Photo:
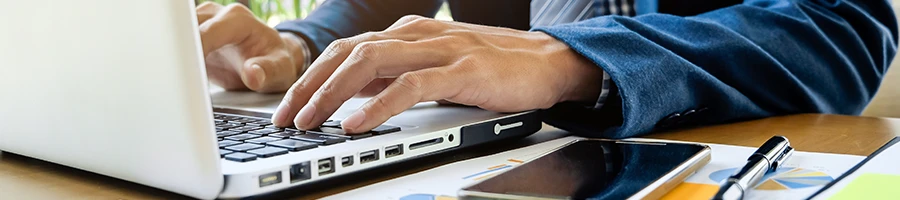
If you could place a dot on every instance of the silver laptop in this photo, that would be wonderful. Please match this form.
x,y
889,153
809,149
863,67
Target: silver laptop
x,y
118,88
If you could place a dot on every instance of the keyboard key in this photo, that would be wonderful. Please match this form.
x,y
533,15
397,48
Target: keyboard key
x,y
385,129
273,126
242,137
293,131
293,145
231,118
332,123
240,157
284,135
225,143
254,124
241,120
224,127
244,147
262,140
340,133
264,131
246,128
255,121
275,129
318,138
226,133
263,123
222,152
268,152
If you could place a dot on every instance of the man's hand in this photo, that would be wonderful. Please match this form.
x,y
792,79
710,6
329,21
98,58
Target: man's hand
x,y
243,53
419,59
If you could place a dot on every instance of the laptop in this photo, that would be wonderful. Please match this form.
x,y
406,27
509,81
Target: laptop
x,y
119,88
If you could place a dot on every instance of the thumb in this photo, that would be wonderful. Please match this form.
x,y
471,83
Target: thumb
x,y
269,73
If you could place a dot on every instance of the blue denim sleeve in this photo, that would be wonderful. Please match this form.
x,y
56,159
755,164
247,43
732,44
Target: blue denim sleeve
x,y
757,59
345,18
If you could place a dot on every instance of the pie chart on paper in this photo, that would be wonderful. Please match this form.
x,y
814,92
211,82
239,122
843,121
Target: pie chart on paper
x,y
787,178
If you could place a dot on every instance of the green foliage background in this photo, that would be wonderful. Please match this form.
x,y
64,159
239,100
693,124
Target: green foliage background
x,y
269,9
273,12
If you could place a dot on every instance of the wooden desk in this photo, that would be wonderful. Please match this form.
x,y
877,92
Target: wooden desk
x,y
25,178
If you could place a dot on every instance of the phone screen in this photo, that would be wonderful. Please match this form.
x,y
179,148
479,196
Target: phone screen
x,y
591,169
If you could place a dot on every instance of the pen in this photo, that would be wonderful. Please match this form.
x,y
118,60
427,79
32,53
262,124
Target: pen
x,y
767,158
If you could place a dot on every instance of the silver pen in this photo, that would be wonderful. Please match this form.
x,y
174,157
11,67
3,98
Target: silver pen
x,y
767,158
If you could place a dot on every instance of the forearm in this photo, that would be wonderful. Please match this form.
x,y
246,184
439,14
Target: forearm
x,y
754,60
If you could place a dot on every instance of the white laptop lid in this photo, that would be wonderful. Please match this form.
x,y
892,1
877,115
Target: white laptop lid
x,y
109,86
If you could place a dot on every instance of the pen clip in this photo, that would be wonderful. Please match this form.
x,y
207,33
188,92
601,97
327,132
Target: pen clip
x,y
782,157
774,151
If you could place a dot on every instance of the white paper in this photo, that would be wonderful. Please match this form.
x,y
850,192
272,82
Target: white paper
x,y
886,162
442,183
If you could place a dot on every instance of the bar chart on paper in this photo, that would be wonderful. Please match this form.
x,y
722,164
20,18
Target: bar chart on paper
x,y
803,174
782,179
478,176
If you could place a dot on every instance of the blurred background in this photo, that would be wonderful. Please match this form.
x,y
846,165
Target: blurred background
x,y
885,104
275,11
887,101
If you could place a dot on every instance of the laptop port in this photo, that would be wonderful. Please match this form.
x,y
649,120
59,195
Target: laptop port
x,y
368,156
300,172
426,143
270,179
326,166
392,151
347,161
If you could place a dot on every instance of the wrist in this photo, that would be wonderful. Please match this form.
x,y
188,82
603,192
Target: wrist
x,y
299,51
582,79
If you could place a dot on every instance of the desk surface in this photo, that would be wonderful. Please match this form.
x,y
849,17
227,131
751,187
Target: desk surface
x,y
25,178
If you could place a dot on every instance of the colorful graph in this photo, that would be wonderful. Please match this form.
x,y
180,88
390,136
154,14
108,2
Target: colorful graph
x,y
486,173
782,179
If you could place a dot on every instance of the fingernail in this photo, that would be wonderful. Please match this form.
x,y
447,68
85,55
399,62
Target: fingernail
x,y
279,115
353,122
306,115
259,73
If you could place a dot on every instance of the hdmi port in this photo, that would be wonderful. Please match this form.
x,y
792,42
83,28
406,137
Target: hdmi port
x,y
426,143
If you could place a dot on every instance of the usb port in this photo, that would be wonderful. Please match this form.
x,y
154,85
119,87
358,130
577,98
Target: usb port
x,y
392,151
347,161
326,166
368,156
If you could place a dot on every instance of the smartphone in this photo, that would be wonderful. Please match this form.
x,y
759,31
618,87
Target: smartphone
x,y
596,169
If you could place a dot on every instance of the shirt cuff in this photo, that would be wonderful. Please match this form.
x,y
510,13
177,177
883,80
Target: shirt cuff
x,y
605,87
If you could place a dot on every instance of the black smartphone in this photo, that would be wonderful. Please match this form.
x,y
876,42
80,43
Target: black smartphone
x,y
597,169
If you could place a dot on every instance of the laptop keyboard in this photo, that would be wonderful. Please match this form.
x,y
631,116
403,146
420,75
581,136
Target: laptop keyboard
x,y
245,139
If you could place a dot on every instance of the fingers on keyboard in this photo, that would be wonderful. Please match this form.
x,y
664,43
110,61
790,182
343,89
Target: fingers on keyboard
x,y
244,139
